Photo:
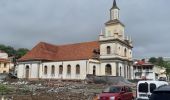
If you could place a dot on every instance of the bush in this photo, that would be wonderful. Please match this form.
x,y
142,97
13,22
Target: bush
x,y
4,89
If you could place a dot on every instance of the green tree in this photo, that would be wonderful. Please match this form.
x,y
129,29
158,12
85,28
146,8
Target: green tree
x,y
167,66
21,52
8,49
153,60
160,62
13,52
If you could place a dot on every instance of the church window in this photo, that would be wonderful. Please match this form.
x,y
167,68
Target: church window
x,y
77,69
125,52
108,69
94,70
27,67
68,69
108,50
52,69
60,69
5,65
45,69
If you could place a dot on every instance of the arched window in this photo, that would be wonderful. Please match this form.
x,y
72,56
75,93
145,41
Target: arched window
x,y
27,71
69,69
125,52
52,69
77,69
27,67
94,70
60,69
108,69
45,70
108,50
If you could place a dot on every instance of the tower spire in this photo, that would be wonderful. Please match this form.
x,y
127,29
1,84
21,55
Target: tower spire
x,y
114,11
115,5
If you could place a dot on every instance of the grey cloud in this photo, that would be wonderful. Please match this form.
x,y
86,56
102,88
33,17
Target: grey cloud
x,y
24,23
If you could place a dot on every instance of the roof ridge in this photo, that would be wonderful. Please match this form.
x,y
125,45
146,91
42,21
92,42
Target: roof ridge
x,y
47,43
78,43
67,44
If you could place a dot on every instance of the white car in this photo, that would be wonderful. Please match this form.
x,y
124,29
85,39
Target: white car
x,y
146,88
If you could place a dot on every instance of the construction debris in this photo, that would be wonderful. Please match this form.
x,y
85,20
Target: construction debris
x,y
59,90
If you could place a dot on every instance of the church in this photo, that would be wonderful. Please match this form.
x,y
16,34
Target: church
x,y
110,55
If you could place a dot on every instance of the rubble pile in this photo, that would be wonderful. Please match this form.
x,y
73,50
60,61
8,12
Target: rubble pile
x,y
53,90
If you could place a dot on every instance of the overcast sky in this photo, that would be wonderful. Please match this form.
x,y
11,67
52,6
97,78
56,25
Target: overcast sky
x,y
24,23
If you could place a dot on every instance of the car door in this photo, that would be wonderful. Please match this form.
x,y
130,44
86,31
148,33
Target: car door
x,y
123,94
129,93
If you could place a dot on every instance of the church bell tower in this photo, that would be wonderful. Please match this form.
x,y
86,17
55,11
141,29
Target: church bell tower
x,y
115,47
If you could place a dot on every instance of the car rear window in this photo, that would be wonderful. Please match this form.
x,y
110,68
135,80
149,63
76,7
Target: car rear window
x,y
152,87
160,96
112,89
143,87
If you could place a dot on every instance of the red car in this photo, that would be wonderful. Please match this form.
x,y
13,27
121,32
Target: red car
x,y
116,93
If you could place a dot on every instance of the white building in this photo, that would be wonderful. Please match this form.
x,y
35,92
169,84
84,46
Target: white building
x,y
5,64
146,70
110,55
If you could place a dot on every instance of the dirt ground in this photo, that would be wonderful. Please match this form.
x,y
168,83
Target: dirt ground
x,y
52,90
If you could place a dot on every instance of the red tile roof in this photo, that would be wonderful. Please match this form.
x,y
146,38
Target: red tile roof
x,y
142,64
45,51
2,51
4,60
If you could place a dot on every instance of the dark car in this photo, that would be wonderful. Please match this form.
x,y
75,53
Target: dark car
x,y
161,93
116,93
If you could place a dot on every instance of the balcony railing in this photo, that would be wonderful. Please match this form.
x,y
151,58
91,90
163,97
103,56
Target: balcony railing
x,y
137,70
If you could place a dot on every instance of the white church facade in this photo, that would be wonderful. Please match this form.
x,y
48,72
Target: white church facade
x,y
111,55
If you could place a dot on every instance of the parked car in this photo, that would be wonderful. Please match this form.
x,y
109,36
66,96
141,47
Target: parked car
x,y
116,93
146,88
161,93
162,79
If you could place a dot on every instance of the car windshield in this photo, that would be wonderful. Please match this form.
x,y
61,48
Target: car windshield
x,y
160,96
112,89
